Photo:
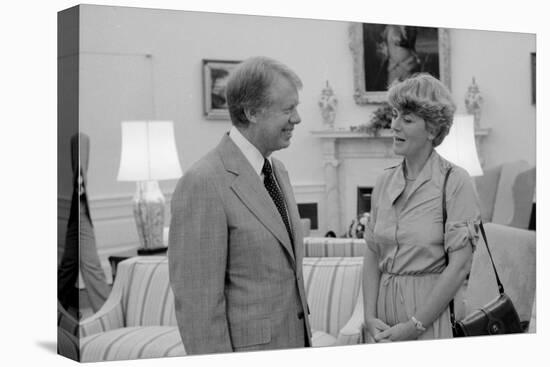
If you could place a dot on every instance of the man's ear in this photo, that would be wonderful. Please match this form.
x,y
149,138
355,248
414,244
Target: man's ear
x,y
251,115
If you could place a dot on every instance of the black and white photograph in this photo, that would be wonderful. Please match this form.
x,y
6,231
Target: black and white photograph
x,y
191,238
238,186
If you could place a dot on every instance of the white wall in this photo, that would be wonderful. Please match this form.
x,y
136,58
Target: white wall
x,y
501,64
116,83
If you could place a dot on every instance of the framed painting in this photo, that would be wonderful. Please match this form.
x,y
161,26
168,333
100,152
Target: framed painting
x,y
214,77
383,53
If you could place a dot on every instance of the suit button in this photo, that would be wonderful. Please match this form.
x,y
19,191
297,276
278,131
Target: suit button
x,y
300,315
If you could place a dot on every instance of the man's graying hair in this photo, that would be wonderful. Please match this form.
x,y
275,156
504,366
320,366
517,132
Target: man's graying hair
x,y
248,86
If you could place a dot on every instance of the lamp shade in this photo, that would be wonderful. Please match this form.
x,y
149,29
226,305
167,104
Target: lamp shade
x,y
459,147
148,151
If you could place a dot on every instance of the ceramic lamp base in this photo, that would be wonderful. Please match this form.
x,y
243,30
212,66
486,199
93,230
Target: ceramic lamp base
x,y
149,216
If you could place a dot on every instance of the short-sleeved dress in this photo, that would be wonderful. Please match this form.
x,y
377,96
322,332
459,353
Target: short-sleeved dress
x,y
407,236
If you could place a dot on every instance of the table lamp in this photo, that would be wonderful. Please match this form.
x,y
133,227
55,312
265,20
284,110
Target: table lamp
x,y
148,154
459,147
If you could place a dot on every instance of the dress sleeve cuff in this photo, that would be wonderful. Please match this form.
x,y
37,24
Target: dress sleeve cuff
x,y
461,234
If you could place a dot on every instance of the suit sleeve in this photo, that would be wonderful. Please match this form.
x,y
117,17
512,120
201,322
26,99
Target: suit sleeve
x,y
197,264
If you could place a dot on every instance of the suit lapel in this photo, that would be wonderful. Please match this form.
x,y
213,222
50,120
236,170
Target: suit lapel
x,y
251,191
284,182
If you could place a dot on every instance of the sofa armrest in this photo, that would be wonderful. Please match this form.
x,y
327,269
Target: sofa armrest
x,y
351,332
111,315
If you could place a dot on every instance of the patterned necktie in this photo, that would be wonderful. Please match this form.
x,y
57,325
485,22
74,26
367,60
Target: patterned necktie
x,y
276,196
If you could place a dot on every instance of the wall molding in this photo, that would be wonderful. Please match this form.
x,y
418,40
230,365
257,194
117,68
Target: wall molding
x,y
308,188
117,207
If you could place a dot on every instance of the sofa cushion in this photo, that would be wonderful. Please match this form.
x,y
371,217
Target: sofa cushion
x,y
332,287
132,343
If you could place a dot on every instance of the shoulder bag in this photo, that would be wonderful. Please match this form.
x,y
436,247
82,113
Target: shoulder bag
x,y
496,317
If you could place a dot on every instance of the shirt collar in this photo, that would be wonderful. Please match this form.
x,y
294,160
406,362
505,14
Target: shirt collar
x,y
252,154
397,181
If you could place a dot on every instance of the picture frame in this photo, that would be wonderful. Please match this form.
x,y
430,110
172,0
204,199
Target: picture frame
x,y
430,45
214,77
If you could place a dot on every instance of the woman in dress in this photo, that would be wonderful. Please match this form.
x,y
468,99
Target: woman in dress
x,y
412,267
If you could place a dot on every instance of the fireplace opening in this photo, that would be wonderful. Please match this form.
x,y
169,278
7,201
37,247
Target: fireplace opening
x,y
309,210
364,195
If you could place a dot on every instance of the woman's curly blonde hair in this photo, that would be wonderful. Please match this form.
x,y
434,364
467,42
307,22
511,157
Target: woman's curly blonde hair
x,y
428,98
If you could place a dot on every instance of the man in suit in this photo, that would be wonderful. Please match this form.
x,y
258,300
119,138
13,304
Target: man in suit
x,y
235,244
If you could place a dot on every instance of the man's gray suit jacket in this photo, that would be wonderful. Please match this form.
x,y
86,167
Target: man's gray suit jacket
x,y
236,278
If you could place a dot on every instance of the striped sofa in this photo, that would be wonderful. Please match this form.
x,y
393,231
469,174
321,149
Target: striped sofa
x,y
138,319
334,247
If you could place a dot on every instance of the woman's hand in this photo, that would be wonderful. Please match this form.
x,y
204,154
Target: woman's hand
x,y
401,331
375,326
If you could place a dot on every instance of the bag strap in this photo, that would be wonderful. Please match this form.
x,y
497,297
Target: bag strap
x,y
500,286
444,205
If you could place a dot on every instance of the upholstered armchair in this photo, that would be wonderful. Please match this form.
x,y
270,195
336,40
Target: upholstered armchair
x,y
138,319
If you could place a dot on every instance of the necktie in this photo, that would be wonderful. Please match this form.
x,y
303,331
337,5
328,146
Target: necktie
x,y
276,196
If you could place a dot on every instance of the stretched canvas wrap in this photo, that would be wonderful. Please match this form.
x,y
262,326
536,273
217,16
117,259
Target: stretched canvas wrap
x,y
119,64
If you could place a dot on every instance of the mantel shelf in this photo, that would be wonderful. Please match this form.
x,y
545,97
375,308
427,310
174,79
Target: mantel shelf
x,y
384,134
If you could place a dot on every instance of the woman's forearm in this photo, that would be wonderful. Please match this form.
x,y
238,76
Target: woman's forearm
x,y
371,281
446,287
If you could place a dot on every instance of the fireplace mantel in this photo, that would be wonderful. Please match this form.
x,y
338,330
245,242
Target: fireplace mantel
x,y
352,159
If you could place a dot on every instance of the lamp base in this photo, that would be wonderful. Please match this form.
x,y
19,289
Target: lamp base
x,y
149,214
152,251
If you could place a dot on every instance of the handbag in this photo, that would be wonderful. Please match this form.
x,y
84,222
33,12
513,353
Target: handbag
x,y
496,317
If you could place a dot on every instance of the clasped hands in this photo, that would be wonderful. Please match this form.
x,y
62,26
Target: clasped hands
x,y
383,333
